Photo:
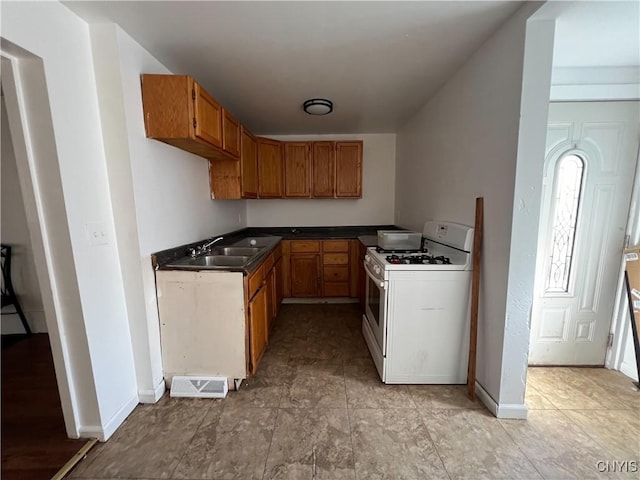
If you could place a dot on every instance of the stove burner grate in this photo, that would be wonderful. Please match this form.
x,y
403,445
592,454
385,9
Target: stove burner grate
x,y
418,260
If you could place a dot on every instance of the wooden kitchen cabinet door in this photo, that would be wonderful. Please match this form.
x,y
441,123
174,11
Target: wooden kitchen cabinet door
x,y
230,134
324,170
279,284
305,275
349,169
297,169
249,165
258,325
208,116
269,168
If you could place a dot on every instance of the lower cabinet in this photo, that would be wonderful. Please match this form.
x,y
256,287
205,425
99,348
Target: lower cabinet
x,y
321,268
216,323
203,328
258,326
305,275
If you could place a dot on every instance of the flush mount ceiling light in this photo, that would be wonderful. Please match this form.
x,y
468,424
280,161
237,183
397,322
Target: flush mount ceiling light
x,y
318,106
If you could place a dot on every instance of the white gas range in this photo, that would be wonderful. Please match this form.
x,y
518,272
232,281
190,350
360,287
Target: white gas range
x,y
416,321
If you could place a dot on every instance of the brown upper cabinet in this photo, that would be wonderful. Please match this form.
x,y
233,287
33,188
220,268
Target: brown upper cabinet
x,y
297,169
249,165
349,169
230,134
324,170
178,111
270,171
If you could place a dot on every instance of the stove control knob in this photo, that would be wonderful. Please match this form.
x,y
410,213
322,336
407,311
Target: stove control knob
x,y
367,258
376,269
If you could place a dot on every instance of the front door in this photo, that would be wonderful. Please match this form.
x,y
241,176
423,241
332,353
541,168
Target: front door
x,y
590,160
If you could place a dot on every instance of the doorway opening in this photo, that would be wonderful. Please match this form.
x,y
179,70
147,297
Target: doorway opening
x,y
41,402
587,188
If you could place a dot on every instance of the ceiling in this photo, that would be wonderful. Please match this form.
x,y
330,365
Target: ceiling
x,y
597,34
379,62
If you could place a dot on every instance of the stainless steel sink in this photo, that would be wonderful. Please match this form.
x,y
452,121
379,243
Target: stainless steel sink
x,y
236,251
220,261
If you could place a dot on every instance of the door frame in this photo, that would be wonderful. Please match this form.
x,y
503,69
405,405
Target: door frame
x,y
33,150
614,351
621,326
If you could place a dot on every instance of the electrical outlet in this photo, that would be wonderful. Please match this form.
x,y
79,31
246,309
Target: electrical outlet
x,y
98,233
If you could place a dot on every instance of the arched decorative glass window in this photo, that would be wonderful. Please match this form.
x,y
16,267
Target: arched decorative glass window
x,y
566,199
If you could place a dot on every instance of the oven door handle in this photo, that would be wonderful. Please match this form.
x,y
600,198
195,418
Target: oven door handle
x,y
374,277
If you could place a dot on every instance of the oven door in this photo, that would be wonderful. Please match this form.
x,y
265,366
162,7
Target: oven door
x,y
376,307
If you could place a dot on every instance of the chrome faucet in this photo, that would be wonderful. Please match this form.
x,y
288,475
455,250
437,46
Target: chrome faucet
x,y
207,245
203,248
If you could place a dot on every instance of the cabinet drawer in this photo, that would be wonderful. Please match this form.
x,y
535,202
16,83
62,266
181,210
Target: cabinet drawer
x,y
335,259
336,289
335,246
301,246
335,274
255,280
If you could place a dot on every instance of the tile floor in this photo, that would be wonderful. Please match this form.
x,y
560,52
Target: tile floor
x,y
317,410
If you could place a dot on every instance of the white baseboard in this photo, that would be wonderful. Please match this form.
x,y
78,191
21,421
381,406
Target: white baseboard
x,y
517,411
630,370
485,398
91,431
505,410
152,396
103,433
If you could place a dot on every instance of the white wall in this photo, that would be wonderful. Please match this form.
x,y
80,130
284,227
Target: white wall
x,y
461,145
15,232
173,205
160,194
374,208
61,39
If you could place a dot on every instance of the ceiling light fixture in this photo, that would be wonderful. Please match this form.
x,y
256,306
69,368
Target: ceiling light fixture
x,y
318,106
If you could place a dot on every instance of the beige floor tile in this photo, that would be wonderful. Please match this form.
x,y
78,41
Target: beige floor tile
x,y
536,401
315,383
474,445
618,432
616,384
393,444
569,391
367,392
439,397
317,349
265,388
354,347
311,440
152,440
230,446
360,367
556,446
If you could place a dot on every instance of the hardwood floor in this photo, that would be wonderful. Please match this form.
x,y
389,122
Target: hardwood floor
x,y
34,441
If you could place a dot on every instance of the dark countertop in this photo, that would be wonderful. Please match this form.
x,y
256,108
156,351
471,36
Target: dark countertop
x,y
369,240
174,258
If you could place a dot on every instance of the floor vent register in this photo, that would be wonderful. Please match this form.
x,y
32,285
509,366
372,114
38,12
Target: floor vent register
x,y
199,387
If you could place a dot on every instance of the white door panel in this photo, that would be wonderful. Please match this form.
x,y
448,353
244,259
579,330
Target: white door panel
x,y
570,326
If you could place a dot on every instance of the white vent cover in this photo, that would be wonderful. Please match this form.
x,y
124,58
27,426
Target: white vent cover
x,y
199,387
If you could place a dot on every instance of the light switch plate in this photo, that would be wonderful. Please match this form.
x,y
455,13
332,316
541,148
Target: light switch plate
x,y
98,233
